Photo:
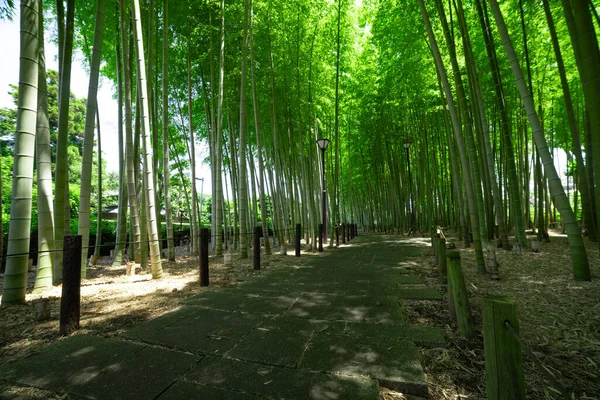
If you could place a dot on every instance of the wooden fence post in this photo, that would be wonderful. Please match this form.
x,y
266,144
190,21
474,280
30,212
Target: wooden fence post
x,y
256,248
204,257
70,300
442,261
434,244
503,359
457,291
321,238
298,235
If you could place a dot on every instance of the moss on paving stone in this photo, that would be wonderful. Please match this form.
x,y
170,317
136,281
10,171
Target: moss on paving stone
x,y
296,325
281,383
377,333
224,299
418,294
69,363
159,323
189,390
409,280
143,375
268,304
394,363
369,309
205,331
271,346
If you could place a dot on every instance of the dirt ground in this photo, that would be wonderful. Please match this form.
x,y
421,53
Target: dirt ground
x,y
559,322
559,317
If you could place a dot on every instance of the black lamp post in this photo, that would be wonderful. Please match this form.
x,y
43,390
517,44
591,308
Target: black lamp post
x,y
412,206
323,146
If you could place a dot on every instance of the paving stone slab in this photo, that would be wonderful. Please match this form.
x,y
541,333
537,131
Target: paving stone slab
x,y
302,326
394,364
269,304
69,363
426,336
369,309
224,299
280,383
143,375
205,331
159,322
418,294
409,280
271,346
312,305
193,391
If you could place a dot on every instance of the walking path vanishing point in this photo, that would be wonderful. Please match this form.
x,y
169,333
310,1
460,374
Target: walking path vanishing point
x,y
331,329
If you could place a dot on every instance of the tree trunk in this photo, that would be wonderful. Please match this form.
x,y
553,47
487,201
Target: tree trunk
x,y
130,150
217,203
509,153
122,214
581,270
586,199
485,134
45,259
165,138
99,208
472,205
15,274
88,139
149,184
60,178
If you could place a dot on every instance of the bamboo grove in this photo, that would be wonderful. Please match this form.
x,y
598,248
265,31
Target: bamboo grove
x,y
475,96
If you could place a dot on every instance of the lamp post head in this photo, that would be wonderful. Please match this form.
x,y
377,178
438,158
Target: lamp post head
x,y
323,143
406,144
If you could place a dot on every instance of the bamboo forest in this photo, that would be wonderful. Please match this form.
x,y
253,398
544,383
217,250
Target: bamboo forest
x,y
313,199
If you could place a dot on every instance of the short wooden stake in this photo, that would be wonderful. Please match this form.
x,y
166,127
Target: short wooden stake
x,y
503,359
492,262
256,248
535,246
42,310
204,235
457,291
130,268
321,238
298,237
441,256
70,301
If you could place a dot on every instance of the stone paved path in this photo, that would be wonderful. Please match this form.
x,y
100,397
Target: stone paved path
x,y
331,329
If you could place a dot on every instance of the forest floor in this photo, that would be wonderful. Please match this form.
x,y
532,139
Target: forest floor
x,y
559,321
559,318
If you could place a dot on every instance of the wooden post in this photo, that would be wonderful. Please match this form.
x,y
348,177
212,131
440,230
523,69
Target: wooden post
x,y
343,233
441,256
434,244
356,230
298,235
457,291
321,238
337,236
204,281
503,359
256,248
70,301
